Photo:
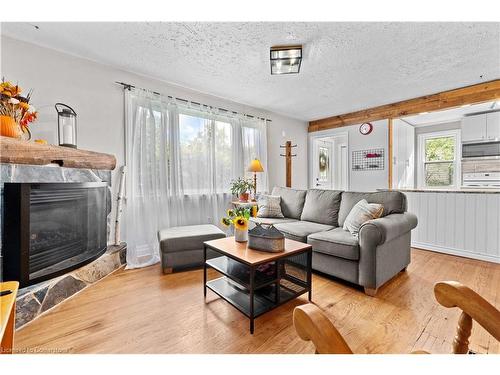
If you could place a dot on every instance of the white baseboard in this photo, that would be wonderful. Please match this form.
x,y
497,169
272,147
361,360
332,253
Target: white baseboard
x,y
452,251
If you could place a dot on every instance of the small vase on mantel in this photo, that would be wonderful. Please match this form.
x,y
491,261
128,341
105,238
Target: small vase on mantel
x,y
9,127
241,235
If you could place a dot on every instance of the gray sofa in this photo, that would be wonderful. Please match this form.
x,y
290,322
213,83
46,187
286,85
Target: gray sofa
x,y
381,250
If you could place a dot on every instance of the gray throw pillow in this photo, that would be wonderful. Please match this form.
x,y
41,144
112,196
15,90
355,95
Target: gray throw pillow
x,y
360,214
269,206
322,206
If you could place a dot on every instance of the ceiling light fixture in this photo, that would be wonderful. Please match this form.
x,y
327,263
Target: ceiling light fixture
x,y
286,59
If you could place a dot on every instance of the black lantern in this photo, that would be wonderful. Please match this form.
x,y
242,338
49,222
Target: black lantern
x,y
66,125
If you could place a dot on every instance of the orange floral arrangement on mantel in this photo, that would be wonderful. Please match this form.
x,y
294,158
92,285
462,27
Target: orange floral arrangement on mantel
x,y
16,113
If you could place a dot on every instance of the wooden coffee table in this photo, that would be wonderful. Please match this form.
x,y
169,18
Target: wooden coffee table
x,y
255,282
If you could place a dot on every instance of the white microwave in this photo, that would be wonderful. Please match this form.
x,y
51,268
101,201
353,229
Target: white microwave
x,y
485,150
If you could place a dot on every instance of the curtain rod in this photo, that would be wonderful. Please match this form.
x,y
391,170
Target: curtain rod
x,y
127,86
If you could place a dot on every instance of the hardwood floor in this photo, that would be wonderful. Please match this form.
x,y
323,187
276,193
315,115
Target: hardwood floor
x,y
144,311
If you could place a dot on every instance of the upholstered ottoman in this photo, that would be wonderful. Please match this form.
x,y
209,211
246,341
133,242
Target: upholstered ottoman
x,y
182,247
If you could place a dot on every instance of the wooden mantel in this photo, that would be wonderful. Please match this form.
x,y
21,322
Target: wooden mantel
x,y
480,93
14,151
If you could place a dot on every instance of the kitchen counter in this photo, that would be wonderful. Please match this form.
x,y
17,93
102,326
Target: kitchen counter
x,y
473,191
464,222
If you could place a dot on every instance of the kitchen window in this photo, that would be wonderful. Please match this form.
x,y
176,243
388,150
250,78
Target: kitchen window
x,y
439,160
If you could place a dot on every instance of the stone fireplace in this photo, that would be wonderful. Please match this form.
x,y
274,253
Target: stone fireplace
x,y
55,232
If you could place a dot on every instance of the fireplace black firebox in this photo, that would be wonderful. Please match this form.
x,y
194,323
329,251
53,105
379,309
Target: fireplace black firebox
x,y
52,228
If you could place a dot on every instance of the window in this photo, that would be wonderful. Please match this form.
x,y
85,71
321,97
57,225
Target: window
x,y
206,154
194,136
253,146
223,156
439,165
250,141
187,151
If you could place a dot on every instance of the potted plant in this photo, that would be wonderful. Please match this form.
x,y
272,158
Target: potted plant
x,y
239,219
240,188
15,111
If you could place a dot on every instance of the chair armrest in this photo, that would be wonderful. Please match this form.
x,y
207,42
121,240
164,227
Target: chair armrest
x,y
453,294
311,324
387,228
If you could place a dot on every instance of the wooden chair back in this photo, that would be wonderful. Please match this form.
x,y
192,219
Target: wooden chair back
x,y
474,307
312,324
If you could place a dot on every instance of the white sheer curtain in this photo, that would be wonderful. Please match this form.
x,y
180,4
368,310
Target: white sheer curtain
x,y
254,146
146,139
180,161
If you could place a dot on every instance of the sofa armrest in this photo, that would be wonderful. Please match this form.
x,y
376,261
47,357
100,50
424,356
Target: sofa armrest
x,y
385,229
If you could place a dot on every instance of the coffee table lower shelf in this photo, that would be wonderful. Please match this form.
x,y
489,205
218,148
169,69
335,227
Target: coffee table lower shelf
x,y
264,299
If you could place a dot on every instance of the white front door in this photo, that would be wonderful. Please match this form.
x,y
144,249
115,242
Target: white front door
x,y
322,164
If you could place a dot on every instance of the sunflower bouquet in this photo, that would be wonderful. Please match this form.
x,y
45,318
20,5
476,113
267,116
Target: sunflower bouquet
x,y
238,217
15,106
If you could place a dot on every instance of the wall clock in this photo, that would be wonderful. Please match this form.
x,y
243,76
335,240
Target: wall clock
x,y
366,128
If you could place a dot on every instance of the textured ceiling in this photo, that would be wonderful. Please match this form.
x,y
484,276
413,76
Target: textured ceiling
x,y
346,66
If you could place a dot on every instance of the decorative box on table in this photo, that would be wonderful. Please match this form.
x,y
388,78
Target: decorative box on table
x,y
265,237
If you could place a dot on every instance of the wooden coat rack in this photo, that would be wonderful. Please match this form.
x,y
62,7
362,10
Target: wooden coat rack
x,y
288,161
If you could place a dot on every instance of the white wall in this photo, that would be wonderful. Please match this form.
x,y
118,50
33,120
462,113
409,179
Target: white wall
x,y
378,138
89,88
280,131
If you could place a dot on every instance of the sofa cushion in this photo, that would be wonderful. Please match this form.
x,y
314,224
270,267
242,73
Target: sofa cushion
x,y
269,206
299,230
271,220
337,242
394,202
189,237
292,201
322,206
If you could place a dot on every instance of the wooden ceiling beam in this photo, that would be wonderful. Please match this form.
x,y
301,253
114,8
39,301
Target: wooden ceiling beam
x,y
480,93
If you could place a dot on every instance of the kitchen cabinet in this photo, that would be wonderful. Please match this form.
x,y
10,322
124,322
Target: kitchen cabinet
x,y
474,128
493,125
480,128
403,155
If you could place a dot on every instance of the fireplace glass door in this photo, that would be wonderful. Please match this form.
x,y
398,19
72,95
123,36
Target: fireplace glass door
x,y
66,228
53,228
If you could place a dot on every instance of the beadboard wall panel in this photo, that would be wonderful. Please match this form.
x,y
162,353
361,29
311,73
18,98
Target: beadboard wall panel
x,y
465,224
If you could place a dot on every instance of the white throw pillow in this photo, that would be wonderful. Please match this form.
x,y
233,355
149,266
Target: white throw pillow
x,y
361,213
269,206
